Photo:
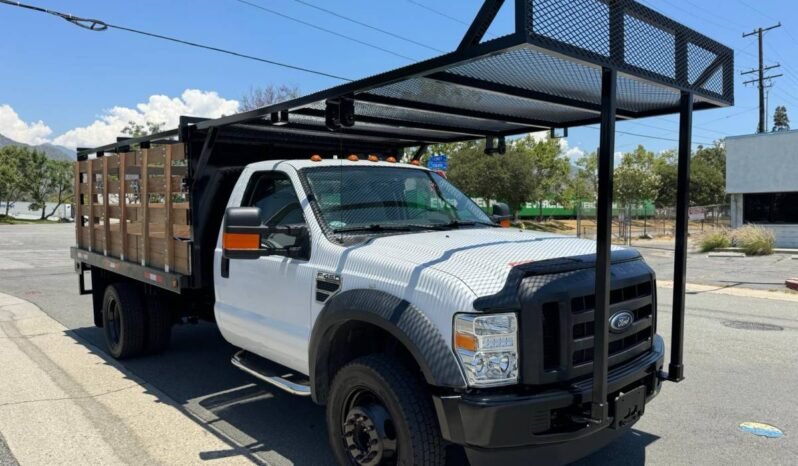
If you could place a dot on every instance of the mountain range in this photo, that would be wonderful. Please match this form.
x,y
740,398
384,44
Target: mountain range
x,y
50,150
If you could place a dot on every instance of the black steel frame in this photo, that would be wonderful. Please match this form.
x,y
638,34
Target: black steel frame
x,y
277,126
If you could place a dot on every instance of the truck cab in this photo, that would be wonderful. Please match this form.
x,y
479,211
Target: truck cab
x,y
365,277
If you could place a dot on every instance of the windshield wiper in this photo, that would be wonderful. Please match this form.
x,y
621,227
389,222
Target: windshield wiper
x,y
463,223
376,228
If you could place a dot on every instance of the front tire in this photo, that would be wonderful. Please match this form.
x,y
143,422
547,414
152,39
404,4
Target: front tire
x,y
123,320
379,413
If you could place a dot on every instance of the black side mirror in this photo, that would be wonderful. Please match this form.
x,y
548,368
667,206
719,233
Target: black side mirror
x,y
501,213
243,236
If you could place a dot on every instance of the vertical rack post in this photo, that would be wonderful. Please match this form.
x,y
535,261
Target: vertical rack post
x,y
106,212
145,206
599,409
123,203
90,179
676,365
169,252
76,209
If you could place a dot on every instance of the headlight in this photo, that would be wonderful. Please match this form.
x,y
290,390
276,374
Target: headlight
x,y
487,346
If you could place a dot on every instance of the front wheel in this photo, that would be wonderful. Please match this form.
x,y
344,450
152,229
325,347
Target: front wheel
x,y
379,413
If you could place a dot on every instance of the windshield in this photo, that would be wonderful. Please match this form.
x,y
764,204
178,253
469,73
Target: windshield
x,y
389,198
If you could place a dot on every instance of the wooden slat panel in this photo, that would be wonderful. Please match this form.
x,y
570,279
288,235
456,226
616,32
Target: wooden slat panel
x,y
167,174
158,183
113,186
106,223
145,195
90,182
76,206
156,155
178,153
113,162
123,218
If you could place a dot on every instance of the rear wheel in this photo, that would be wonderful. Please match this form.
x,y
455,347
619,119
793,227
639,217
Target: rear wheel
x,y
379,413
123,320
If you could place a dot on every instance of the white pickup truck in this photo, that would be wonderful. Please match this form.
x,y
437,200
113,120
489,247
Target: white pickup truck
x,y
380,290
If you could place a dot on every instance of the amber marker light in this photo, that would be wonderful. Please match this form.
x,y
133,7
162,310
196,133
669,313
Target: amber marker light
x,y
373,158
315,158
414,162
353,158
241,241
391,160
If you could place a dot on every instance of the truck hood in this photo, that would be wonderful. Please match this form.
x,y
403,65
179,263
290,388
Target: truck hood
x,y
481,257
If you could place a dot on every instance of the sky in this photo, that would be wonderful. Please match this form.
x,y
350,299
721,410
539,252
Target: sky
x,y
74,87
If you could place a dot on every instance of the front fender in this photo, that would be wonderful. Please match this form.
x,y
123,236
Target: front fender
x,y
396,316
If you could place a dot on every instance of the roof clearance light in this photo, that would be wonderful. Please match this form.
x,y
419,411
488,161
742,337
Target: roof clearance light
x,y
353,158
315,158
373,158
391,160
414,162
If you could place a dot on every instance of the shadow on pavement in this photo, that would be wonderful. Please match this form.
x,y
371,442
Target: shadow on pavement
x,y
259,422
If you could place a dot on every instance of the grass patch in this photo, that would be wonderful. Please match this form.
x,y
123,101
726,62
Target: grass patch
x,y
8,220
715,240
754,240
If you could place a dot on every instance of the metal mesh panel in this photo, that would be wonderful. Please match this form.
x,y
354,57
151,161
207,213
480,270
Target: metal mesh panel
x,y
582,23
531,69
715,83
405,133
639,96
431,91
649,47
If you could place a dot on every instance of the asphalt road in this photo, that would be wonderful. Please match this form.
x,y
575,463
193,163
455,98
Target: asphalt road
x,y
733,375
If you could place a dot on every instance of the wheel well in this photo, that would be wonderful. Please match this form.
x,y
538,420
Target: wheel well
x,y
352,340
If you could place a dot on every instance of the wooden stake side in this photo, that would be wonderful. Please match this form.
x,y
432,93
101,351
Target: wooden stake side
x,y
106,217
123,204
90,180
169,233
145,203
76,206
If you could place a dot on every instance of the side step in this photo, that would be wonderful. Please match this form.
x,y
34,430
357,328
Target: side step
x,y
272,373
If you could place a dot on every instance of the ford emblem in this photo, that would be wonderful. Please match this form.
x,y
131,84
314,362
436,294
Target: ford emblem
x,y
621,321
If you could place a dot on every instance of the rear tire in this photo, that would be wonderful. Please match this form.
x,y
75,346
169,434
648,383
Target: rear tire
x,y
123,320
381,413
159,323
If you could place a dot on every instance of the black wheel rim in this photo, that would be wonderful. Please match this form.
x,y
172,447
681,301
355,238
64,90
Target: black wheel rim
x,y
114,324
368,430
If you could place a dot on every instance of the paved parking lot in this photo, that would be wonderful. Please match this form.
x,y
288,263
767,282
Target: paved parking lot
x,y
733,375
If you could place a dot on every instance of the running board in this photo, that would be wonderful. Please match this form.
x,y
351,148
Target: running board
x,y
272,373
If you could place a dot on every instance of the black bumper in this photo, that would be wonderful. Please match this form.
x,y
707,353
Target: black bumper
x,y
517,428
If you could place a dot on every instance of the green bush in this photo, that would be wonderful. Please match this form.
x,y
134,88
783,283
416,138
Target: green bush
x,y
755,240
715,240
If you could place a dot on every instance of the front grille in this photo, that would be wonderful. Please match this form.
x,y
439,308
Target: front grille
x,y
567,329
635,298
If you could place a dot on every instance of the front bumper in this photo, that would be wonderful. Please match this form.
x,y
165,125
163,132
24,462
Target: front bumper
x,y
514,428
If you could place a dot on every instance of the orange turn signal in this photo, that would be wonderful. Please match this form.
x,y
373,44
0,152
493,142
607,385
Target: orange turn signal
x,y
353,158
465,341
241,241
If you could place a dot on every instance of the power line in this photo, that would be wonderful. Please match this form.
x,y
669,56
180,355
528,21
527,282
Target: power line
x,y
653,137
444,15
328,31
99,25
351,20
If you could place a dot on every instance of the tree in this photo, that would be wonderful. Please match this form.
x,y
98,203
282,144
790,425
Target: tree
x,y
545,177
268,95
14,165
635,180
781,121
665,167
136,130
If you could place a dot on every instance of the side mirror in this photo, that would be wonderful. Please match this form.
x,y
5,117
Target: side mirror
x,y
244,235
501,214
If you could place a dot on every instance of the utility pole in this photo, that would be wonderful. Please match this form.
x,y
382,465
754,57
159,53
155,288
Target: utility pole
x,y
760,79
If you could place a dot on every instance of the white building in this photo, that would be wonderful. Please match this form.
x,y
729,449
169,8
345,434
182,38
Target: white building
x,y
762,179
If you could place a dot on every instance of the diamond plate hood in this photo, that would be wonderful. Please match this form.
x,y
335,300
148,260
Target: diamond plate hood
x,y
481,257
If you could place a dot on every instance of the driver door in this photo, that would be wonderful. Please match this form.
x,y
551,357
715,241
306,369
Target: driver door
x,y
264,305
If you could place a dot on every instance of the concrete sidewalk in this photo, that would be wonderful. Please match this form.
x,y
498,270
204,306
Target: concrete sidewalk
x,y
63,403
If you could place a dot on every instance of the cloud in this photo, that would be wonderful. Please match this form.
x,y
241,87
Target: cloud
x,y
158,109
12,126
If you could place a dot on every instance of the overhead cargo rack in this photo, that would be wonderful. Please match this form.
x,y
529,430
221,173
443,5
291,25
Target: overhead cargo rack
x,y
568,63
